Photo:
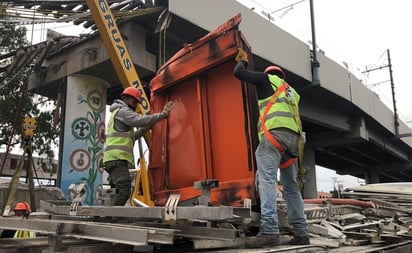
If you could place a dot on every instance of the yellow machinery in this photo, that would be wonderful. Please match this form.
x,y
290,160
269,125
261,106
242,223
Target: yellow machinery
x,y
127,74
28,127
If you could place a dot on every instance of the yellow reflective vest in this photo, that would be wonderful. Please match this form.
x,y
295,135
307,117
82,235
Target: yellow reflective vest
x,y
24,234
281,112
118,145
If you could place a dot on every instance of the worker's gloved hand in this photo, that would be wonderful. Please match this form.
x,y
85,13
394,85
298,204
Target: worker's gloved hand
x,y
241,55
138,133
167,109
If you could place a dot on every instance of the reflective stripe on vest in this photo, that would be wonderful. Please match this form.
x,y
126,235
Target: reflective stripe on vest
x,y
118,145
280,114
24,234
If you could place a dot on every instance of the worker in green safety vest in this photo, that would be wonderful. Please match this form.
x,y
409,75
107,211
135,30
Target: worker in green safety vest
x,y
21,209
280,146
120,136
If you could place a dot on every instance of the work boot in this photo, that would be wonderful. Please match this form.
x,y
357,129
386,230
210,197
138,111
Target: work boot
x,y
262,240
300,240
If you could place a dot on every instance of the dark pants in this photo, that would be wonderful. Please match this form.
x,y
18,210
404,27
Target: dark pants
x,y
119,178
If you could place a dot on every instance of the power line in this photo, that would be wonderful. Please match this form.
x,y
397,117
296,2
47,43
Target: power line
x,y
395,112
289,6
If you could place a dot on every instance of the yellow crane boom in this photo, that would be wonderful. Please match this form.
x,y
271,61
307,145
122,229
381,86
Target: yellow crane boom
x,y
126,72
116,48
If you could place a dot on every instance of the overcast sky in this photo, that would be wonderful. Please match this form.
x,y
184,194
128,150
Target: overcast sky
x,y
358,33
351,31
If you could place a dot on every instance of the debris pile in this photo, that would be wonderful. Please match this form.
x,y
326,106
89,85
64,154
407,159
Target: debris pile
x,y
374,215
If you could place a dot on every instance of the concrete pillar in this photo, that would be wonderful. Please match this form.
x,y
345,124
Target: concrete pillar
x,y
310,188
81,147
372,177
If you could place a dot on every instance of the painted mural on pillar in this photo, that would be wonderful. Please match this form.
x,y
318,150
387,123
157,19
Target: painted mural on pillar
x,y
84,133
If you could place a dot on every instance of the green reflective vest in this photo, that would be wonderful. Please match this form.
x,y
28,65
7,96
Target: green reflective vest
x,y
118,145
281,112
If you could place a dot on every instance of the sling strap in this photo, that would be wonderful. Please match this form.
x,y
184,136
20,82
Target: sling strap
x,y
270,137
301,144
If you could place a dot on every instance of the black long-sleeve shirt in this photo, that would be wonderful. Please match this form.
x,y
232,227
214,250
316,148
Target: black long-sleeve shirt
x,y
259,79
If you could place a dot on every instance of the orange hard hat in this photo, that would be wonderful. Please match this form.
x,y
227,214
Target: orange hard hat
x,y
133,92
275,69
22,206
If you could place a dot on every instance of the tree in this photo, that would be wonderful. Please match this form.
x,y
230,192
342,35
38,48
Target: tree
x,y
16,102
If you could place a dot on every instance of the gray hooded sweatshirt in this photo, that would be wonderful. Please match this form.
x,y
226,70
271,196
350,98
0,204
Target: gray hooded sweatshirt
x,y
126,118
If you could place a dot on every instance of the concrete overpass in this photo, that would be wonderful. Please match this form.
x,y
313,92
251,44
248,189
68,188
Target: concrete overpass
x,y
348,128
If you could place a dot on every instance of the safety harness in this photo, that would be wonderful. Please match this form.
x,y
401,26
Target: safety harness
x,y
272,139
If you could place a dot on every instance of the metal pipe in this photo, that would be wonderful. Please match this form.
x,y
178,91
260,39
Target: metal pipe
x,y
315,62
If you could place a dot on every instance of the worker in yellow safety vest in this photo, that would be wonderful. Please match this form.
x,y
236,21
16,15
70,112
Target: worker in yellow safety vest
x,y
22,209
279,134
120,136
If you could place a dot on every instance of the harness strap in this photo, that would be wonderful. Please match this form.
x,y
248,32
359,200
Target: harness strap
x,y
300,143
270,137
287,163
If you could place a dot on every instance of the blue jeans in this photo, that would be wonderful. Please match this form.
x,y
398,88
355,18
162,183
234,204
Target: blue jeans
x,y
268,159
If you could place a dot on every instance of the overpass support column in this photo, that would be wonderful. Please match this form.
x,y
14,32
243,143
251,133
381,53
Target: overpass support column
x,y
81,145
310,188
372,177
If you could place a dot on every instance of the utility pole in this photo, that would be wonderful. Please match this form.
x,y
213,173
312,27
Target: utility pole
x,y
315,62
395,111
314,58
